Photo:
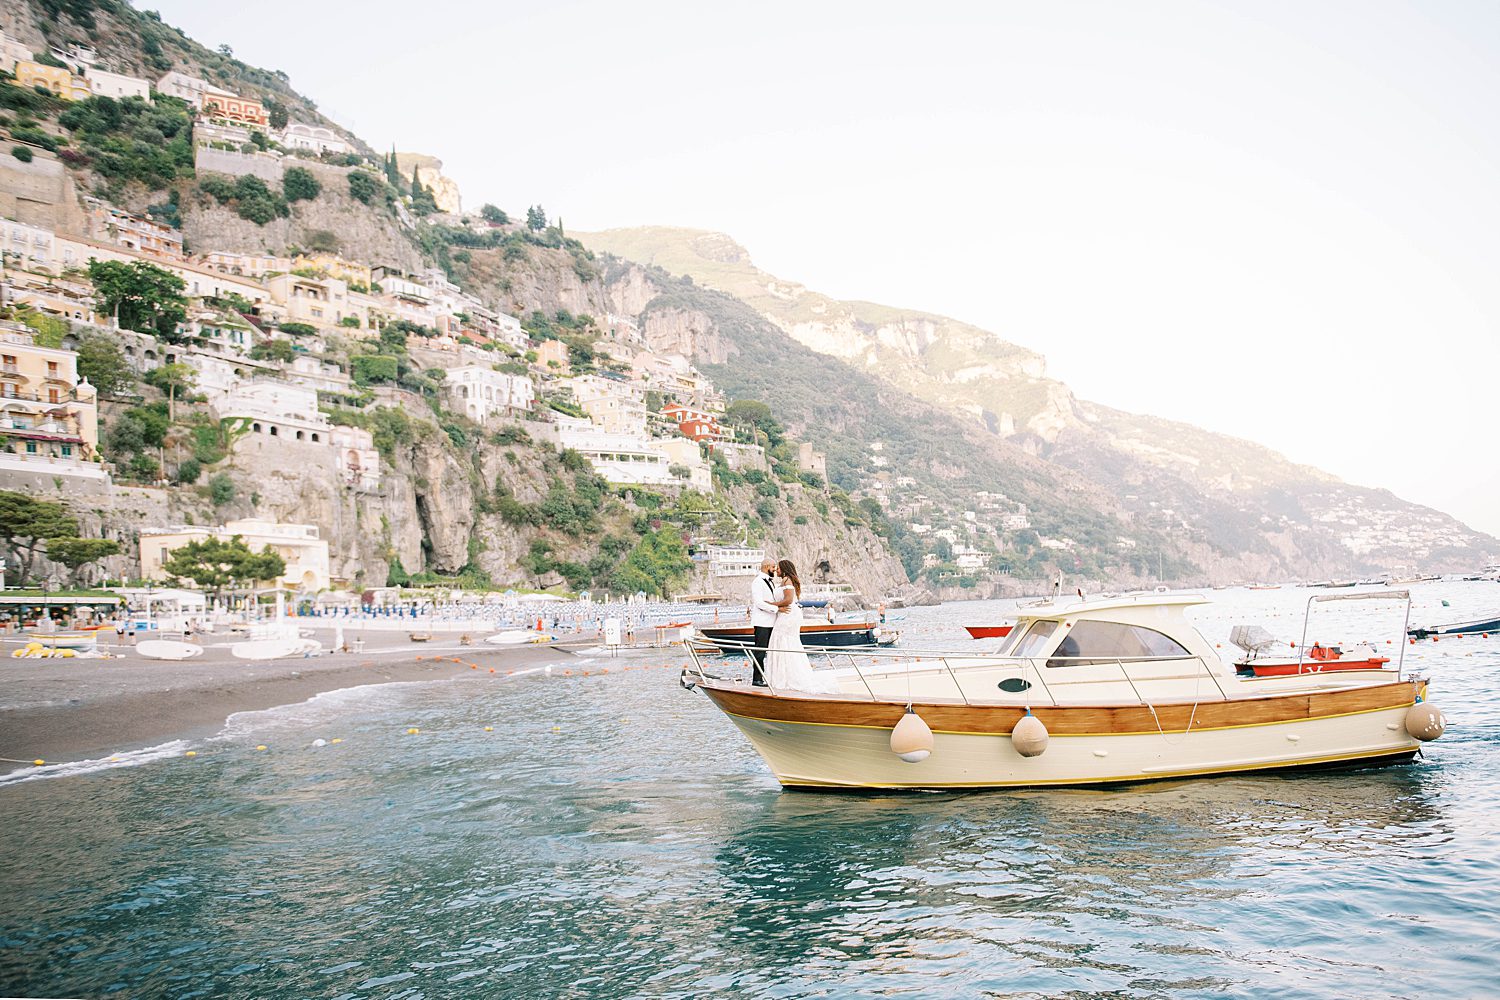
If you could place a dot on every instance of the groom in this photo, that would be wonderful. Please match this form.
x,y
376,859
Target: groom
x,y
763,595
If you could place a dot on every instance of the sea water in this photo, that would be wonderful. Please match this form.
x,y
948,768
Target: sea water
x,y
612,835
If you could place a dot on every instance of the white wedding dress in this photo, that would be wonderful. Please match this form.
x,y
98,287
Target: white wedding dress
x,y
787,666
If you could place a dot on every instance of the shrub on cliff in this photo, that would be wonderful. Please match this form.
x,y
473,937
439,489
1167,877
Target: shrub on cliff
x,y
299,184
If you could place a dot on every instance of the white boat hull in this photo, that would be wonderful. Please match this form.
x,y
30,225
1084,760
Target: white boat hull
x,y
803,754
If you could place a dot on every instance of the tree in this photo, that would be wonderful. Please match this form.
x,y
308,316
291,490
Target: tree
x,y
221,489
214,563
278,113
273,350
101,361
363,186
489,213
76,553
26,523
299,184
748,413
142,296
174,380
536,219
367,368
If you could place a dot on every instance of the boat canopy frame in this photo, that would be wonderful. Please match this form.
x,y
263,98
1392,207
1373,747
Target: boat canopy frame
x,y
1363,595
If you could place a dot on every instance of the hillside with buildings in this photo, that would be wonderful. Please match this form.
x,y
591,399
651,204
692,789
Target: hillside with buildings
x,y
222,315
1235,497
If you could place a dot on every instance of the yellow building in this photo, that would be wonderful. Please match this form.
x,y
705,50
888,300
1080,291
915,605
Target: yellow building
x,y
306,554
46,412
552,354
334,266
58,79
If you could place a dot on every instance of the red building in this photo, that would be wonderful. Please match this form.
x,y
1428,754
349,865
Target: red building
x,y
692,422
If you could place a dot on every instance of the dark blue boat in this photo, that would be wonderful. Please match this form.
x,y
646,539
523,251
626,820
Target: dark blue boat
x,y
1480,627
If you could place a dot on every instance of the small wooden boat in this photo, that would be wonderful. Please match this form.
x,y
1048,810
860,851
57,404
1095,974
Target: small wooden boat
x,y
1319,660
737,637
1480,626
988,631
1129,689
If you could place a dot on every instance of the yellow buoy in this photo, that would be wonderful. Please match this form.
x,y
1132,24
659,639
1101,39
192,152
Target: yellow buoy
x,y
337,739
489,729
39,762
191,753
1029,737
1425,721
911,739
413,731
261,746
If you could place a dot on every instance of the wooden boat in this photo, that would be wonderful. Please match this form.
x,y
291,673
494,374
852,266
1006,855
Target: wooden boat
x,y
1088,693
1480,626
736,637
988,631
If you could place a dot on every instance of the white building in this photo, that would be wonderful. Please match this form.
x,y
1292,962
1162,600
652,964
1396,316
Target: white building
x,y
313,137
277,409
117,85
188,88
622,459
730,560
482,392
305,554
27,246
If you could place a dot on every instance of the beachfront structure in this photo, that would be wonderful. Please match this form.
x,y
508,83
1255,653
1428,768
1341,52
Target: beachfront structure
x,y
306,554
117,85
316,138
49,417
734,560
58,80
482,392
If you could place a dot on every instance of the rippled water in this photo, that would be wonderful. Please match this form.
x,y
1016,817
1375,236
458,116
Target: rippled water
x,y
614,836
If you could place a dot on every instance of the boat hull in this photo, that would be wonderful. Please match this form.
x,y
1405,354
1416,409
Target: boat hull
x,y
1291,668
829,743
1482,627
988,631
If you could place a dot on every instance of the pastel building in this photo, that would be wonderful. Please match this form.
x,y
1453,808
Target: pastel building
x,y
358,461
249,265
135,232
26,246
321,302
57,79
248,111
552,354
48,414
184,87
305,554
615,406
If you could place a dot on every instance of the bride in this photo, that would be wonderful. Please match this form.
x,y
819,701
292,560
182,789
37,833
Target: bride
x,y
787,666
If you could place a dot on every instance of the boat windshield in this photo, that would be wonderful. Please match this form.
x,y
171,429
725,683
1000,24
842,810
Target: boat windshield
x,y
1035,639
1106,642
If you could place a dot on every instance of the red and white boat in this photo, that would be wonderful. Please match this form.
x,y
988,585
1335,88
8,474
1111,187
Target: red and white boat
x,y
988,631
1319,659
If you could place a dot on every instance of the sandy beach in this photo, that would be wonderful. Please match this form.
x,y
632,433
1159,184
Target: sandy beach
x,y
76,709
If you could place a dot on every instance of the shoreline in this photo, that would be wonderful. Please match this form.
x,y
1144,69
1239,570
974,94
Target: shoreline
x,y
69,710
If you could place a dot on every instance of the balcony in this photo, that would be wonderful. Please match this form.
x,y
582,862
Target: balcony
x,y
11,371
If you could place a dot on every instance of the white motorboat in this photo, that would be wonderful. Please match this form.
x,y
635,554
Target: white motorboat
x,y
1083,693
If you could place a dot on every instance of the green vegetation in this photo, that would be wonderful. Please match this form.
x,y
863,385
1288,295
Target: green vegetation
x,y
76,553
132,139
21,153
142,296
273,349
215,564
248,195
299,184
26,524
489,213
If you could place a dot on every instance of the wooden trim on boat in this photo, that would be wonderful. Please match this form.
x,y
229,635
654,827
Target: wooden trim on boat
x,y
1080,720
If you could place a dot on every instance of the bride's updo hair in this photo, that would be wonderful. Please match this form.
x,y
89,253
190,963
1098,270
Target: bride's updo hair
x,y
788,572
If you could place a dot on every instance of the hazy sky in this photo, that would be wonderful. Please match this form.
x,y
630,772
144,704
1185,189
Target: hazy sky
x,y
1277,220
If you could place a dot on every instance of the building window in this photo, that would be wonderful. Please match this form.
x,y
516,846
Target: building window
x,y
315,438
67,451
31,447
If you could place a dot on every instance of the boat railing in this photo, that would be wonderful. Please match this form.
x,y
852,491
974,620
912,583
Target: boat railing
x,y
1029,671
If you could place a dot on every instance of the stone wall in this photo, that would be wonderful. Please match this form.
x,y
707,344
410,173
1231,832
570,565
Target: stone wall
x,y
223,161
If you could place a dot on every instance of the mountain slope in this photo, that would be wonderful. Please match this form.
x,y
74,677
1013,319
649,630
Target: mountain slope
x,y
1237,497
